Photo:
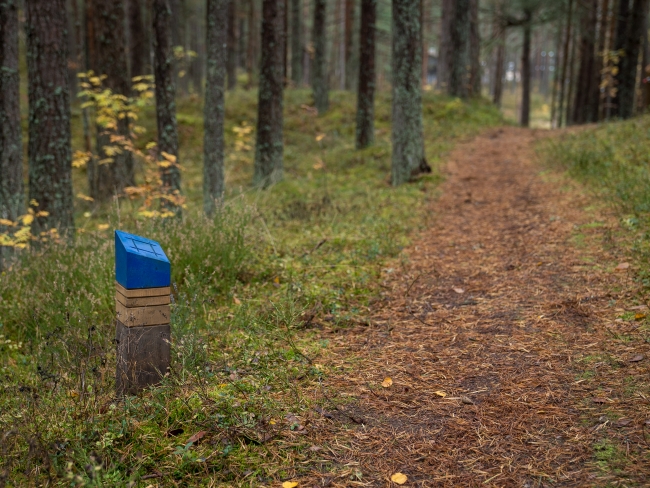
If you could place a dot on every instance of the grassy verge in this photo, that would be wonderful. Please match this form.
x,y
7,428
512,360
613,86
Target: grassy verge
x,y
272,263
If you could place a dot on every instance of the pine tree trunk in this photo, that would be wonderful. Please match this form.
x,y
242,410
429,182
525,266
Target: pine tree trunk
x,y
571,79
269,145
105,180
251,43
50,157
622,18
596,106
165,95
474,50
565,62
320,78
525,72
459,42
138,43
232,44
629,62
366,88
583,103
213,145
12,198
499,63
349,43
445,54
296,42
408,154
196,66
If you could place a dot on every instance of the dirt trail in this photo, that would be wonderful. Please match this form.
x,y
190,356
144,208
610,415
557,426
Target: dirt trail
x,y
485,330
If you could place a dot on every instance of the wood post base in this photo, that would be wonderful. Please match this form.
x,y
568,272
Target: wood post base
x,y
143,356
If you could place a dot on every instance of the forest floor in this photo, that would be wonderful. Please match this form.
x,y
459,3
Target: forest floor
x,y
509,347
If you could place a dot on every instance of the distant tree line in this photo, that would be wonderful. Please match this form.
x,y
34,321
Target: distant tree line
x,y
200,47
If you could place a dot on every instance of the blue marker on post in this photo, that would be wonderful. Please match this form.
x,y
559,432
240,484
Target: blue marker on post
x,y
142,297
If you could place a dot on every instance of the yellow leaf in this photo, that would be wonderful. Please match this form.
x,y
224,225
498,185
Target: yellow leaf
x,y
102,226
276,280
289,484
272,422
86,198
236,300
42,213
73,394
33,203
27,219
319,164
639,316
399,478
320,137
169,157
6,222
387,382
150,145
440,393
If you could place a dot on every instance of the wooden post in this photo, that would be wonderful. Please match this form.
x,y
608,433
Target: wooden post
x,y
142,295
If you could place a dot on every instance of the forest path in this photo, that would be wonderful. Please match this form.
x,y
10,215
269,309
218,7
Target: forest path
x,y
496,329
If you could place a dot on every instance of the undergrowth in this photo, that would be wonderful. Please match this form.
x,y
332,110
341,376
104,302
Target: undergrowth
x,y
271,263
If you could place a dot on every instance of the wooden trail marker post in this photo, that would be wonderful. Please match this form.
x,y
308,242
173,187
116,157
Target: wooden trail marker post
x,y
142,295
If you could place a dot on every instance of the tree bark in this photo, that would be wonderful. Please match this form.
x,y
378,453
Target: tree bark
x,y
50,157
232,44
499,62
583,103
565,62
622,18
12,197
630,60
105,180
525,71
459,60
571,80
445,51
599,63
365,133
251,44
320,78
349,43
296,42
138,49
213,145
165,96
474,51
196,66
269,146
408,146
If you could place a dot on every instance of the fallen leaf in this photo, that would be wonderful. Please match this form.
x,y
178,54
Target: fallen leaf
x,y
467,400
387,382
639,316
623,266
399,478
623,422
236,300
458,290
289,484
440,393
599,400
320,137
102,227
637,358
639,307
196,437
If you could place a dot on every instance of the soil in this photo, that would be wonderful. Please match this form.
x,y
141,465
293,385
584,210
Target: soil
x,y
513,339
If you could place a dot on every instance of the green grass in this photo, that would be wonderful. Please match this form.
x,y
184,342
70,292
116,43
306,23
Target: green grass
x,y
242,282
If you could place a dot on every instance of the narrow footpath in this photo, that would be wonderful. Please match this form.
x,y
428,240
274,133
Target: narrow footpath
x,y
497,355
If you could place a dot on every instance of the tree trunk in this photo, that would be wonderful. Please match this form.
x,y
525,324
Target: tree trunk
x,y
165,97
349,43
105,180
565,62
296,42
196,66
50,156
645,71
320,78
630,60
474,50
460,41
596,105
138,49
269,146
12,198
583,103
232,44
408,146
425,44
553,61
213,117
525,71
622,18
571,80
499,63
366,88
251,43
445,52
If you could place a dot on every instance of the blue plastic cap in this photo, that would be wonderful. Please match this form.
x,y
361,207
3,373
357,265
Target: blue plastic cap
x,y
140,262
